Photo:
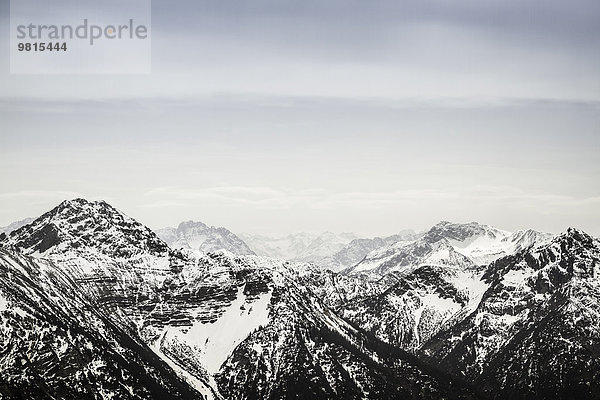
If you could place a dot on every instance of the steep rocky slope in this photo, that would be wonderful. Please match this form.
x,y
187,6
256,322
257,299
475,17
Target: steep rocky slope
x,y
57,343
536,332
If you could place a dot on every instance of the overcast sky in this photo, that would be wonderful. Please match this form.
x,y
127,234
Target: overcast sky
x,y
285,116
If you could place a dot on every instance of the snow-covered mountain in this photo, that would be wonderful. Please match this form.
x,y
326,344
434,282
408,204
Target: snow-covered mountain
x,y
357,249
328,250
216,325
406,308
447,243
58,343
405,256
483,243
15,225
536,332
94,303
267,337
192,235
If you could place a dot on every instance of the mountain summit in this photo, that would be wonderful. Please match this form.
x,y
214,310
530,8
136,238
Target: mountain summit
x,y
199,237
83,224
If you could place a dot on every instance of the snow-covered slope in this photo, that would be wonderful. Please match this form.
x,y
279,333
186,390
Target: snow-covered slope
x,y
483,243
407,308
406,256
57,343
191,235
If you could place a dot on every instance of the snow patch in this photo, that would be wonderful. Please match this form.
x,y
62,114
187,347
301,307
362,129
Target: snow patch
x,y
3,303
216,341
439,304
473,285
517,277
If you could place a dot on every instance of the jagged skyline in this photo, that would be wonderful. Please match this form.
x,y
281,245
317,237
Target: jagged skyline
x,y
423,318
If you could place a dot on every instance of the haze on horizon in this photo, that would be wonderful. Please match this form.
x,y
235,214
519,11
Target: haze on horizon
x,y
284,116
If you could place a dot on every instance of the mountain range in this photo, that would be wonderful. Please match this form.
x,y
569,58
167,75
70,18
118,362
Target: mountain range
x,y
93,304
329,250
198,237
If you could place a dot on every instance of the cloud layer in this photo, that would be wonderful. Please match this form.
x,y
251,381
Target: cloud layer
x,y
277,116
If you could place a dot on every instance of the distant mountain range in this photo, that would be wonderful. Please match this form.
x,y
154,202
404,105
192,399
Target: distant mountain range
x,y
329,250
199,237
94,304
448,243
304,247
15,225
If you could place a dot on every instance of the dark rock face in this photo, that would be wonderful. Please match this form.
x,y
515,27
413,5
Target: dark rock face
x,y
48,237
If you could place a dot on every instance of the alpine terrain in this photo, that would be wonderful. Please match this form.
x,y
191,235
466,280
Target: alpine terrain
x,y
95,305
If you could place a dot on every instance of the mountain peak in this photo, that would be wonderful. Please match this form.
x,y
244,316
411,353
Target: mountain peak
x,y
80,207
571,254
83,224
199,237
456,231
77,200
574,237
189,225
576,233
80,202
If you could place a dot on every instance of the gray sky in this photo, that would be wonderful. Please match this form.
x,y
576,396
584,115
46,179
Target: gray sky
x,y
281,116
